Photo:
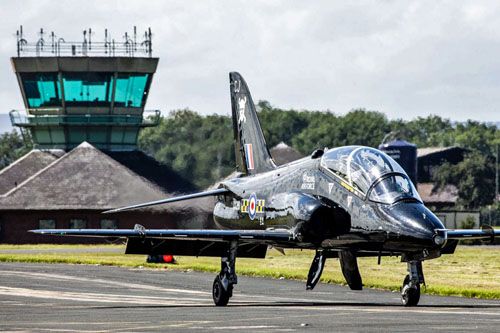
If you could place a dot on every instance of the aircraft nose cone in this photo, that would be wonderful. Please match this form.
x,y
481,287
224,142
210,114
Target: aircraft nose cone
x,y
414,222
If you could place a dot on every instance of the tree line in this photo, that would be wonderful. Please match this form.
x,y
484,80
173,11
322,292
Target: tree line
x,y
201,147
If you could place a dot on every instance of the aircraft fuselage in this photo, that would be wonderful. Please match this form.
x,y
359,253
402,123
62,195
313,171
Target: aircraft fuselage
x,y
325,211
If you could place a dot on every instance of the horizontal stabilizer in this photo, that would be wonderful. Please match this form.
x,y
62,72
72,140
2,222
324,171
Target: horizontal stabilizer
x,y
185,234
169,200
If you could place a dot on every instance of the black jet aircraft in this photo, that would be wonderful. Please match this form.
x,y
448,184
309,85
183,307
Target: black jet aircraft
x,y
344,203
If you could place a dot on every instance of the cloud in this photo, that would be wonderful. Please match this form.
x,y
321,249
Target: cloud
x,y
403,59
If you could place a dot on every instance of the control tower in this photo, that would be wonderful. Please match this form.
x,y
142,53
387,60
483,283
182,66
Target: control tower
x,y
84,91
84,107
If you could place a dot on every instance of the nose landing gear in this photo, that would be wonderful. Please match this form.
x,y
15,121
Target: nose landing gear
x,y
410,292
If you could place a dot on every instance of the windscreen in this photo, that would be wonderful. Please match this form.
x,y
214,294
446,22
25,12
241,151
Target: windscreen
x,y
359,166
393,188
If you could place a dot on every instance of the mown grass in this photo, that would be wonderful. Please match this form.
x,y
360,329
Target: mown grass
x,y
470,272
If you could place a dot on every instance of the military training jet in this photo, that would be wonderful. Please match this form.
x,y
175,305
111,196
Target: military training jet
x,y
344,203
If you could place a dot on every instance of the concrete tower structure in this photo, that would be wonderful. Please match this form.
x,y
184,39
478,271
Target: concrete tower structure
x,y
75,92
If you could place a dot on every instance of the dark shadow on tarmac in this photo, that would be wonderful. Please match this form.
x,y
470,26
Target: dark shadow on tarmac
x,y
301,304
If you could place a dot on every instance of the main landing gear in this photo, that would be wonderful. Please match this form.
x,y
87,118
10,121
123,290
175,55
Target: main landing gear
x,y
222,289
410,292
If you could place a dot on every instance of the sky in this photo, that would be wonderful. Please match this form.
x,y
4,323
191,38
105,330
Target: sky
x,y
406,59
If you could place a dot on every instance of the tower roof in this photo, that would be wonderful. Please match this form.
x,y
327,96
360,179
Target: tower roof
x,y
283,153
26,166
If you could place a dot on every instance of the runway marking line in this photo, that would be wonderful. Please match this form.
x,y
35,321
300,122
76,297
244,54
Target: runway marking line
x,y
101,281
100,298
174,301
52,277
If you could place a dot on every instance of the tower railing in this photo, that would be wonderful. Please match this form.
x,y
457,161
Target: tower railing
x,y
54,46
22,119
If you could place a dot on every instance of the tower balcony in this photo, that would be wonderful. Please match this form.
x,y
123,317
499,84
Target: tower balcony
x,y
50,129
55,117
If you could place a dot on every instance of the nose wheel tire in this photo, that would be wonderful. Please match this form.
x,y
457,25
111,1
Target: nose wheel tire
x,y
410,293
219,293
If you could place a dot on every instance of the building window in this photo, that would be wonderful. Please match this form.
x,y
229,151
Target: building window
x,y
41,89
87,89
77,224
130,90
109,224
47,224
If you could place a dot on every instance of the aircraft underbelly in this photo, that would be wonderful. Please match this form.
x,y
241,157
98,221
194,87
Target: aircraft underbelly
x,y
203,248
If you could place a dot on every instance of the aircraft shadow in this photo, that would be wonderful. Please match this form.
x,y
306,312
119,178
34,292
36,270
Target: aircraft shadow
x,y
302,304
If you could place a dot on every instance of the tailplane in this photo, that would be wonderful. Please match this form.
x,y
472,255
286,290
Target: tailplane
x,y
252,154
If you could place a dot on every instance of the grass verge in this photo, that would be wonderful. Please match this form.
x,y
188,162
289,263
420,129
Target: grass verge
x,y
470,272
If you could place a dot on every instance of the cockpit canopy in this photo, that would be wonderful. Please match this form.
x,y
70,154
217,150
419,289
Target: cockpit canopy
x,y
360,167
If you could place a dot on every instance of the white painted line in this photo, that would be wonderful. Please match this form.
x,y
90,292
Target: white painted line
x,y
101,298
53,277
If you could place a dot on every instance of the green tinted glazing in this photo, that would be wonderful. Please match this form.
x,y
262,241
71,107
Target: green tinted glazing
x,y
41,89
87,89
130,90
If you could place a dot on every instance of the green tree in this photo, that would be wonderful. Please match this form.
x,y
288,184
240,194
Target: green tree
x,y
280,125
362,127
478,136
201,147
474,178
425,131
197,147
318,134
12,146
358,127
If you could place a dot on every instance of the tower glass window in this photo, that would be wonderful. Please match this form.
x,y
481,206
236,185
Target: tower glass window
x,y
41,89
87,89
130,90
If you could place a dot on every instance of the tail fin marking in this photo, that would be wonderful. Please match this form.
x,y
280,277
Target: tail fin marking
x,y
252,154
249,156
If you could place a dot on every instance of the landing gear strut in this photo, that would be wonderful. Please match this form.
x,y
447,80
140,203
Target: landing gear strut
x,y
410,292
316,269
222,288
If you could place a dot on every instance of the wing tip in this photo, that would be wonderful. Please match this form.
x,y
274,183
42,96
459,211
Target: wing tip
x,y
39,231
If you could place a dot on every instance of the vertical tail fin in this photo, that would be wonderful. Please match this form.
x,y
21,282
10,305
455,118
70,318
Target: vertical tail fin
x,y
252,154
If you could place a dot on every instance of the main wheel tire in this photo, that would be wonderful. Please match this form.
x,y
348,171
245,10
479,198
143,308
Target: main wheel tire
x,y
220,295
410,295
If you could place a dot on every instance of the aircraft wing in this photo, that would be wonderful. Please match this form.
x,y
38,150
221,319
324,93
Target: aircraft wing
x,y
214,235
190,242
485,232
168,200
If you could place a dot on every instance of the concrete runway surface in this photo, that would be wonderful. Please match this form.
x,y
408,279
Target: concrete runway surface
x,y
61,298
